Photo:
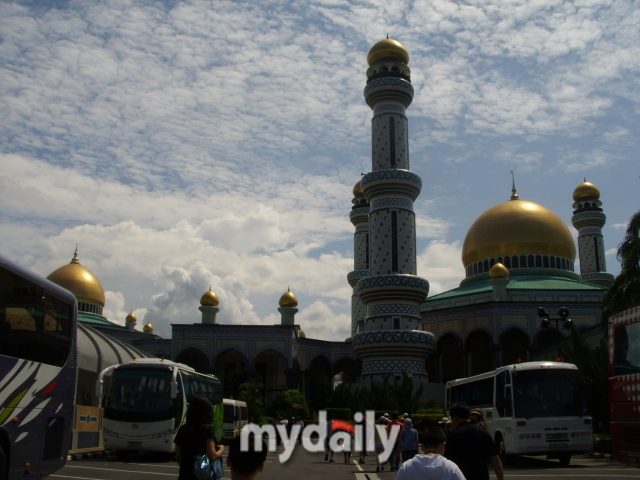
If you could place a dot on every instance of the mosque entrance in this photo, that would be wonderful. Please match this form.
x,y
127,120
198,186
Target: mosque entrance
x,y
349,369
479,348
451,360
271,372
515,344
195,358
230,370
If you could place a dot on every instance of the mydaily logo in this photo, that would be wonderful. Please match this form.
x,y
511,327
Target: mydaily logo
x,y
339,441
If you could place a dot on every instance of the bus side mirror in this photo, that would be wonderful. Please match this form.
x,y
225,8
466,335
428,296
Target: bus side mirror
x,y
174,389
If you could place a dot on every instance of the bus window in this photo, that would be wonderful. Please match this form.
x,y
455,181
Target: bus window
x,y
627,349
504,404
475,394
551,393
228,414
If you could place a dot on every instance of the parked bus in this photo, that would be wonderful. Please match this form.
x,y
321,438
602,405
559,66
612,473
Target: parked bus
x,y
235,418
533,408
624,385
146,402
39,366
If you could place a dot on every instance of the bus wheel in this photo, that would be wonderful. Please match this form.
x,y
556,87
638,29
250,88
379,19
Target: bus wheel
x,y
122,454
565,458
504,457
3,465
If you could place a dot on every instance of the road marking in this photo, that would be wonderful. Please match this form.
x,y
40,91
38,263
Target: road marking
x,y
357,465
116,470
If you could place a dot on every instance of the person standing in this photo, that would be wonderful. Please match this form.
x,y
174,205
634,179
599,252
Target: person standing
x,y
327,448
475,417
430,464
196,437
394,459
471,448
408,440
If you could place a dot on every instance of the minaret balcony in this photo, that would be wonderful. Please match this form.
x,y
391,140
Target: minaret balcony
x,y
393,182
392,288
359,215
354,277
588,219
388,89
402,344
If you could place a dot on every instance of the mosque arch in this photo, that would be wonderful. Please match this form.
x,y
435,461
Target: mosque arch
x,y
195,357
230,367
478,346
348,366
514,346
318,381
449,349
270,367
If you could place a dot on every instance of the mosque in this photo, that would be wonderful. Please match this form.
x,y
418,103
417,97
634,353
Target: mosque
x,y
517,256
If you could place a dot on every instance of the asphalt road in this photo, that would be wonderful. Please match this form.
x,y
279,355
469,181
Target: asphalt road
x,y
311,466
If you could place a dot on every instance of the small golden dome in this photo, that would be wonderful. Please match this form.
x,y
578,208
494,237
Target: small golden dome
x,y
288,299
301,334
148,328
131,318
388,48
80,281
499,271
586,190
357,190
517,227
209,299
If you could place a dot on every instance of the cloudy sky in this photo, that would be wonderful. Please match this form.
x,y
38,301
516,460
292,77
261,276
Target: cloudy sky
x,y
184,144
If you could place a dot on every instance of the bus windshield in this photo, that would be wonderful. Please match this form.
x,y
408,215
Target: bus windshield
x,y
140,395
548,393
229,415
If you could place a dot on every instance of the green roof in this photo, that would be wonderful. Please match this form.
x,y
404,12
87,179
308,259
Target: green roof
x,y
95,319
520,282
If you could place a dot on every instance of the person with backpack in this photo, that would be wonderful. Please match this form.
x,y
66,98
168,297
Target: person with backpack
x,y
196,437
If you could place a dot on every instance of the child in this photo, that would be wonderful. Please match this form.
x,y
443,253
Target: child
x,y
245,465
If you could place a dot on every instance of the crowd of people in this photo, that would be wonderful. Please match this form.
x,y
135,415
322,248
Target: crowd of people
x,y
460,448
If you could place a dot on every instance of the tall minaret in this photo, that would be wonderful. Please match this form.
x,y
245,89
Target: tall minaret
x,y
392,293
359,216
588,218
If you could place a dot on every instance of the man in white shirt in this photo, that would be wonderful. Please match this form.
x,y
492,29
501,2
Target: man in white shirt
x,y
430,465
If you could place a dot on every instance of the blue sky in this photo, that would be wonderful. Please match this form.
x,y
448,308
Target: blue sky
x,y
183,144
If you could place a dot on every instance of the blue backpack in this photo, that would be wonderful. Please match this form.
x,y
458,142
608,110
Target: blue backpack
x,y
203,469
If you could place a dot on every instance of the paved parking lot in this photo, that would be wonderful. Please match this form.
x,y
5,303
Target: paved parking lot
x,y
311,466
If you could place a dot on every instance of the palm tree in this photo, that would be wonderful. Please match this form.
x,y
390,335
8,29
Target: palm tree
x,y
624,293
251,392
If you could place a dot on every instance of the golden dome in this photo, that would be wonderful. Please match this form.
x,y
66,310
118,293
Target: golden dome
x,y
78,280
357,190
517,227
388,48
586,190
301,334
288,299
131,318
499,271
210,299
148,328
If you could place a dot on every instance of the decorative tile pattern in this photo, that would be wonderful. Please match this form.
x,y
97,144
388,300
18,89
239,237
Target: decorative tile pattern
x,y
584,319
409,281
222,343
279,344
389,108
567,298
393,308
383,82
449,325
403,175
393,336
479,321
544,298
513,319
198,342
520,298
392,366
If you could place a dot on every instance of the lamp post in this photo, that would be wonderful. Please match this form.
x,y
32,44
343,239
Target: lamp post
x,y
563,316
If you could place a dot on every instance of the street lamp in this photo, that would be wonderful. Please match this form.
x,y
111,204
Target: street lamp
x,y
563,313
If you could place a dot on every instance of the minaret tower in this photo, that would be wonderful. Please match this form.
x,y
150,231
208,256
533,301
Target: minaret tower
x,y
392,293
588,218
209,306
359,216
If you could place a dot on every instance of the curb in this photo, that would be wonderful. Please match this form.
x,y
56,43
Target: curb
x,y
608,456
81,456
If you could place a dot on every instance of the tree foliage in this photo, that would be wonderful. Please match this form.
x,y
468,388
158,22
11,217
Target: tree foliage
x,y
251,393
625,291
290,403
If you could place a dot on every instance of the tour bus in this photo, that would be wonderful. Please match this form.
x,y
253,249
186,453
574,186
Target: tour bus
x,y
38,364
532,408
146,401
624,385
235,418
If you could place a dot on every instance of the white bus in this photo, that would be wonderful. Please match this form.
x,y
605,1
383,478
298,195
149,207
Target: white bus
x,y
533,408
146,402
234,418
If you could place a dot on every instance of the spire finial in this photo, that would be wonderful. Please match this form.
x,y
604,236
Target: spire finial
x,y
288,289
387,36
75,256
584,178
514,195
209,287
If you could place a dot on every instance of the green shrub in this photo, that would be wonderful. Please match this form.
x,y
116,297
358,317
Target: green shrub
x,y
266,421
422,421
340,413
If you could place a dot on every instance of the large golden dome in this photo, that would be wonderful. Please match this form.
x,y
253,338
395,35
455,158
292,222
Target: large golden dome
x,y
586,190
78,280
388,48
517,227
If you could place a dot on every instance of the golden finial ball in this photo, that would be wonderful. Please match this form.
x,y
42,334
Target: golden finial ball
x,y
288,299
131,318
586,190
499,271
209,299
147,328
